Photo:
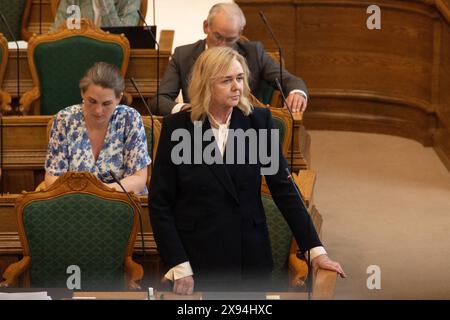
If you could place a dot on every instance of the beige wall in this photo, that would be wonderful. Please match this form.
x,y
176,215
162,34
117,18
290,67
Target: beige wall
x,y
185,17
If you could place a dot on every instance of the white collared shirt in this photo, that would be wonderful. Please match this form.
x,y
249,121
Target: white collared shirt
x,y
220,131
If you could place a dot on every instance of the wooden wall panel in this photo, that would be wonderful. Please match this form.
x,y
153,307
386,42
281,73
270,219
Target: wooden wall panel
x,y
395,80
280,17
442,135
362,115
340,53
444,81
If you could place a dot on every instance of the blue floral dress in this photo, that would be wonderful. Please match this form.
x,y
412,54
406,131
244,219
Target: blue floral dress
x,y
124,150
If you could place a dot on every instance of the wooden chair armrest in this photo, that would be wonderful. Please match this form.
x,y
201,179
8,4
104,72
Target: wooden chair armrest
x,y
5,101
323,284
13,272
134,273
298,272
27,99
297,268
40,187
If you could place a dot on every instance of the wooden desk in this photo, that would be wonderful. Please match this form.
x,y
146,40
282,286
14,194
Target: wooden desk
x,y
141,295
25,147
24,151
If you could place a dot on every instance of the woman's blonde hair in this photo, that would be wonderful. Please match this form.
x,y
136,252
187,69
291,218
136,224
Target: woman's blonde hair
x,y
210,65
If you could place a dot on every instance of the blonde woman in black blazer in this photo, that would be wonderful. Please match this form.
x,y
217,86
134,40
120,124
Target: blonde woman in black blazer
x,y
208,218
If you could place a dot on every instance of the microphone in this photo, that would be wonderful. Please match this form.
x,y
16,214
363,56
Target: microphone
x,y
40,16
292,118
308,279
11,34
266,23
152,143
157,53
116,180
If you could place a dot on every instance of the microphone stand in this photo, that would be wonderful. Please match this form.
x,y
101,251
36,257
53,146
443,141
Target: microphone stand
x,y
116,180
11,34
154,13
157,56
308,277
266,23
292,118
151,116
40,16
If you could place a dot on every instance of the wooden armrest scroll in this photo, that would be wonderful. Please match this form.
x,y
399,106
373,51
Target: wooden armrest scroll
x,y
13,272
27,100
134,273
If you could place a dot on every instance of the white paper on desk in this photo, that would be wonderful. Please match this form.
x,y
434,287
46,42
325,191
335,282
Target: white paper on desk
x,y
24,296
22,44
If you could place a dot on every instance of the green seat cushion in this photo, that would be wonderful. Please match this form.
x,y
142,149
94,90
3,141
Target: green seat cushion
x,y
280,238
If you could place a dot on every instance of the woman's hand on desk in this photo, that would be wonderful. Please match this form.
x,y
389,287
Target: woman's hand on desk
x,y
184,285
324,262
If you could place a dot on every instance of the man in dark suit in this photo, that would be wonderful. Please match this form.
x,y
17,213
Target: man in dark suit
x,y
207,217
223,27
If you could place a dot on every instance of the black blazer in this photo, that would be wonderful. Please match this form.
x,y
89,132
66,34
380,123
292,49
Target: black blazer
x,y
212,215
260,64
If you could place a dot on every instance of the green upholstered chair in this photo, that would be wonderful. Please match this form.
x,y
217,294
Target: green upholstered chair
x,y
58,61
13,12
80,222
5,98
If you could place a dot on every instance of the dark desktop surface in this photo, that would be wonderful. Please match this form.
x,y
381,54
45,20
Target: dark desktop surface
x,y
139,37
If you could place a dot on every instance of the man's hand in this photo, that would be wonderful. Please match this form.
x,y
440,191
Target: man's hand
x,y
184,285
324,262
296,102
